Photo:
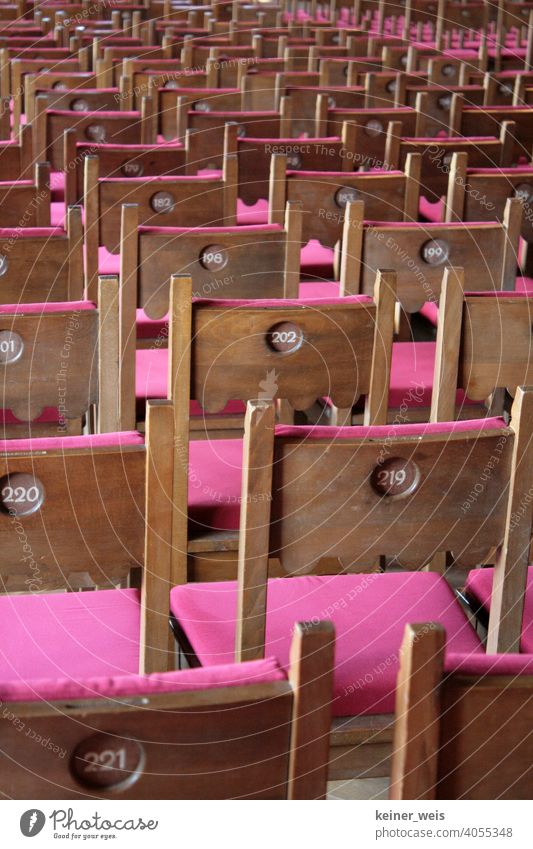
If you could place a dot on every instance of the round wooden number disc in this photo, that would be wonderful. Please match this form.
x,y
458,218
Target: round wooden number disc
x,y
345,195
106,761
395,477
284,337
214,257
524,191
79,105
435,252
132,169
21,494
11,347
373,128
95,132
162,202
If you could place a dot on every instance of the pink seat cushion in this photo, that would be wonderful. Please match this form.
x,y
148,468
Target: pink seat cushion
x,y
433,212
108,263
151,380
215,472
325,289
49,415
187,680
57,186
369,613
57,214
524,285
412,375
479,587
430,311
151,328
316,260
255,214
69,635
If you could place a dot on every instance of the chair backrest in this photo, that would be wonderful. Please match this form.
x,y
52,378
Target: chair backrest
x,y
463,726
118,127
246,262
94,508
436,155
483,344
16,160
235,731
171,201
419,252
177,107
486,121
309,154
65,356
482,194
296,351
334,499
26,203
38,265
324,195
119,160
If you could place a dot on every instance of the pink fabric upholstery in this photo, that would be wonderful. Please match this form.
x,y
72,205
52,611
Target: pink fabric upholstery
x,y
524,285
188,680
369,613
324,290
57,185
68,443
316,260
490,664
433,212
108,263
69,635
57,214
215,471
151,381
430,311
255,214
479,587
49,307
379,432
151,328
7,233
412,375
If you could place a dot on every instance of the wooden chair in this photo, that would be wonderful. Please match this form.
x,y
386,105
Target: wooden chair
x,y
26,203
311,154
487,120
324,195
170,201
268,339
120,160
330,501
462,727
61,362
207,132
92,509
436,156
246,262
244,731
16,158
482,194
42,264
419,252
177,106
115,127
